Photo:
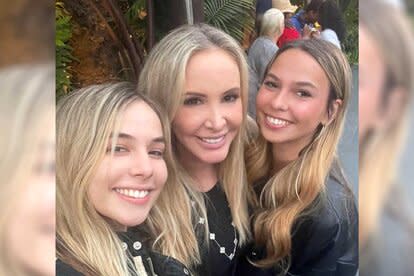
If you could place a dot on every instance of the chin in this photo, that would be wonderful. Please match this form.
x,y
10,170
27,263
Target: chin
x,y
214,158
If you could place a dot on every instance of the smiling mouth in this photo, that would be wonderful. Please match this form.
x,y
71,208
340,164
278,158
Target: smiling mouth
x,y
213,140
276,122
132,193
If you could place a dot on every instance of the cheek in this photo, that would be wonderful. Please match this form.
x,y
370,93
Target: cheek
x,y
186,123
236,114
311,112
160,172
261,100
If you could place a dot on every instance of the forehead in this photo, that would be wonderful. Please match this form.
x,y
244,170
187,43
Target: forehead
x,y
298,65
140,120
212,71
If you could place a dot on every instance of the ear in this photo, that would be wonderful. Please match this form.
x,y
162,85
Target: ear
x,y
333,112
393,108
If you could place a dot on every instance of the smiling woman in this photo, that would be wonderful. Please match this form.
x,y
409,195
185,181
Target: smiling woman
x,y
112,165
306,219
203,88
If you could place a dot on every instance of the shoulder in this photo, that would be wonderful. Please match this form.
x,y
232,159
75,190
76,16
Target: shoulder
x,y
326,238
63,269
331,36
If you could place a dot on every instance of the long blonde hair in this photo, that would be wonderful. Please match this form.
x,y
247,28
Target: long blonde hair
x,y
26,106
380,150
85,120
287,195
163,80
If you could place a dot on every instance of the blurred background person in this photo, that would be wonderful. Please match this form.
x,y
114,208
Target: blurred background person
x,y
27,169
261,7
289,32
262,51
306,16
332,24
385,89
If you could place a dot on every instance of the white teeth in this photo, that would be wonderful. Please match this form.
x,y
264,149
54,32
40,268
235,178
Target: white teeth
x,y
213,140
276,122
133,193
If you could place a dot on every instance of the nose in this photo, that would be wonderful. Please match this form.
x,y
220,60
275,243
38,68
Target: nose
x,y
141,165
216,119
279,100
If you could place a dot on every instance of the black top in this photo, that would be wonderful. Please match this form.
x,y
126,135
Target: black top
x,y
154,263
324,242
223,250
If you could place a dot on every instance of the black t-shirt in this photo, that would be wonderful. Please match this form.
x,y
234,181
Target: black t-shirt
x,y
224,248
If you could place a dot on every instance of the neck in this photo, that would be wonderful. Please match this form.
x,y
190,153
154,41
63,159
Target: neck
x,y
283,154
204,175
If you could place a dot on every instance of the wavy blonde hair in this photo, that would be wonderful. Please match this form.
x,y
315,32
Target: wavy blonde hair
x,y
26,104
85,120
381,149
290,194
163,80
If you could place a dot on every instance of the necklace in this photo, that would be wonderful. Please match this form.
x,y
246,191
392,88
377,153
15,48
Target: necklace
x,y
222,250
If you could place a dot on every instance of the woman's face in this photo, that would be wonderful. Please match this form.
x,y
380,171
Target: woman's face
x,y
210,116
292,101
31,230
129,179
371,82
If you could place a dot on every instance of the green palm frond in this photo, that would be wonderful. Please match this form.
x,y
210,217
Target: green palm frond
x,y
232,16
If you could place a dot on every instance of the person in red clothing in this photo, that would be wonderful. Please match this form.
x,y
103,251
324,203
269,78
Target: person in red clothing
x,y
289,32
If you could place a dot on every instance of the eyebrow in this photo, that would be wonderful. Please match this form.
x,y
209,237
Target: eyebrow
x,y
123,135
231,90
301,83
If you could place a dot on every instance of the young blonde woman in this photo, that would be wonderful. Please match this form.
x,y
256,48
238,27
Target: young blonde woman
x,y
386,86
113,160
199,76
305,221
27,189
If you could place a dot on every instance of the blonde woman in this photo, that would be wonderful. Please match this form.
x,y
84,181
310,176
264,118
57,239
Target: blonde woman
x,y
113,160
261,52
27,189
199,76
386,86
306,220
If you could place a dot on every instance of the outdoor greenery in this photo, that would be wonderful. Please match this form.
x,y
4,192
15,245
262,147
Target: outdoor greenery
x,y
351,40
235,17
63,50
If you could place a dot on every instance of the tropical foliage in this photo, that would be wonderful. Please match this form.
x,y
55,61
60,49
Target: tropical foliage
x,y
235,17
63,49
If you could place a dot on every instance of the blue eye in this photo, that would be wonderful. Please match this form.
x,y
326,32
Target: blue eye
x,y
192,101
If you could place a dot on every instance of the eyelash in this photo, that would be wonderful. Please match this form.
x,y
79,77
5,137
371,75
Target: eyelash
x,y
271,84
192,101
231,98
303,94
197,101
157,153
117,149
300,93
